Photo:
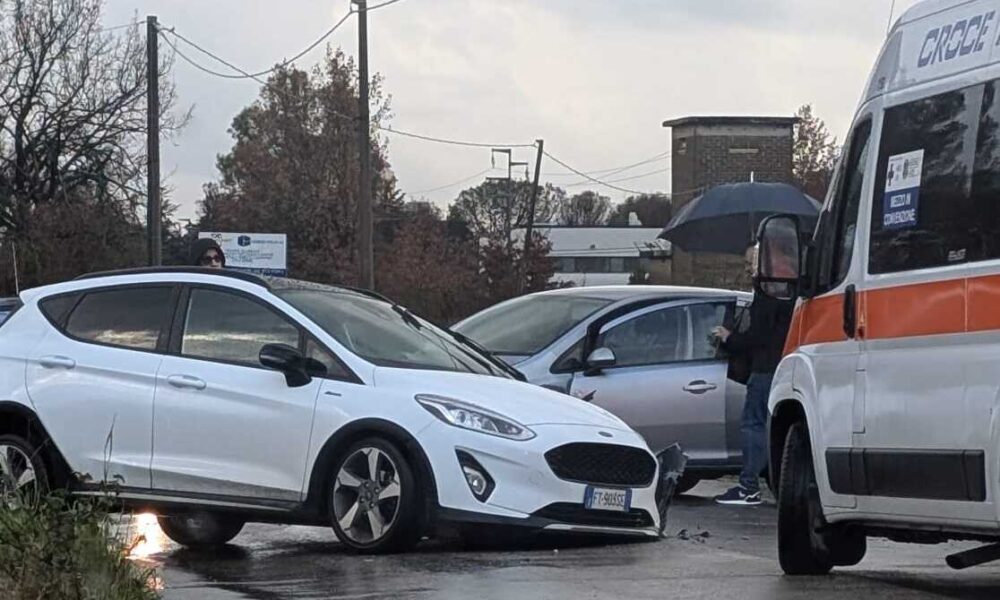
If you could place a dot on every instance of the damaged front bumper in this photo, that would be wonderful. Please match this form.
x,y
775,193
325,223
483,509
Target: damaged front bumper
x,y
672,462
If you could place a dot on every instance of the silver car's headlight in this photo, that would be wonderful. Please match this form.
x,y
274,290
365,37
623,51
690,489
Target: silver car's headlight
x,y
474,418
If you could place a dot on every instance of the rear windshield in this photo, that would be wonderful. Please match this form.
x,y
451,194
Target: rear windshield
x,y
524,326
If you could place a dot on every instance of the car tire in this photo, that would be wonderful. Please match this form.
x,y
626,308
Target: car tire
x,y
807,544
201,530
374,499
685,484
23,475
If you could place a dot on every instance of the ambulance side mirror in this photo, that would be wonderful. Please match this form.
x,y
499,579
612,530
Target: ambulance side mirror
x,y
779,257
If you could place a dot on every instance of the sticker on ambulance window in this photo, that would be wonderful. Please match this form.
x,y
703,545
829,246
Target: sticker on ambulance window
x,y
901,201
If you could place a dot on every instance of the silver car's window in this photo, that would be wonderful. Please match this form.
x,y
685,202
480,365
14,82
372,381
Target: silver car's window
x,y
529,324
657,337
705,318
230,328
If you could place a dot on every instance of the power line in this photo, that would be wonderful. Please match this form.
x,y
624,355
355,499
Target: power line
x,y
616,170
630,178
428,138
453,184
193,62
382,5
249,75
115,27
244,74
257,78
592,179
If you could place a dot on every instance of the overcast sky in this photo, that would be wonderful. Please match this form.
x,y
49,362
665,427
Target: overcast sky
x,y
594,78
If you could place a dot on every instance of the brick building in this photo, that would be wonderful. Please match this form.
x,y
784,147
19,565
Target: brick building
x,y
710,151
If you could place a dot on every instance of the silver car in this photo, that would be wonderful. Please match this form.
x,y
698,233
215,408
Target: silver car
x,y
644,353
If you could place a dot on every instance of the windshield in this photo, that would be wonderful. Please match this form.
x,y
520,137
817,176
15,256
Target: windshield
x,y
385,335
528,324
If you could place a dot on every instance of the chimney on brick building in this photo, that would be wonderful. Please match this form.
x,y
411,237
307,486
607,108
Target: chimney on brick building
x,y
711,151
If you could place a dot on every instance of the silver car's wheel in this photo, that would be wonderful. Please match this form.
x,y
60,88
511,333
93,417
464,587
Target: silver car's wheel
x,y
366,495
19,476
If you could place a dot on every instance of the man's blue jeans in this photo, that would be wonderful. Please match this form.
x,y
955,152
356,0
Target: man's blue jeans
x,y
754,430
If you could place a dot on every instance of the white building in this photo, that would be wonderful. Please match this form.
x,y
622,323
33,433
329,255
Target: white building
x,y
601,255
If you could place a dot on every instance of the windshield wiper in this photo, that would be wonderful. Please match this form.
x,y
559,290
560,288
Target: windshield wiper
x,y
462,339
408,317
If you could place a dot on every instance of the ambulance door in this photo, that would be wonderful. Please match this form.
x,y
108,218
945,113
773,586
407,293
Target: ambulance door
x,y
923,449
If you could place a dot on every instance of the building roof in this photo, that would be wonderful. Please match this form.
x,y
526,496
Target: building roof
x,y
767,121
611,242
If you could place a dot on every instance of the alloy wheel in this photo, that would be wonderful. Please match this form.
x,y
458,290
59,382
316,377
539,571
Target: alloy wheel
x,y
18,478
366,495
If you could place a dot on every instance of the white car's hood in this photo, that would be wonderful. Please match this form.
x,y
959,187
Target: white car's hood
x,y
526,403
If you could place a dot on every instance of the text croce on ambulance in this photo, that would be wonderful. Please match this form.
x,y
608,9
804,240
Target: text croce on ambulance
x,y
885,417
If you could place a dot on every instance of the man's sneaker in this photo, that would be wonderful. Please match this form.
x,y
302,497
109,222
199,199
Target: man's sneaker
x,y
739,496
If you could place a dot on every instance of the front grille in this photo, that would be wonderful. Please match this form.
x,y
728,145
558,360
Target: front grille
x,y
575,514
602,464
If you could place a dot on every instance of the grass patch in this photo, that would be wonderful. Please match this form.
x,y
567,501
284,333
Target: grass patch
x,y
55,548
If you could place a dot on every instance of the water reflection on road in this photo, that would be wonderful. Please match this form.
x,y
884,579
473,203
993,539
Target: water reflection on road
x,y
722,552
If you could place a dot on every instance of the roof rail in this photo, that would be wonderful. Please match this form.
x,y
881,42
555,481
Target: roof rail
x,y
247,277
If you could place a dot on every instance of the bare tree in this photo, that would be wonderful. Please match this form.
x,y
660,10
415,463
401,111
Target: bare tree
x,y
586,209
72,109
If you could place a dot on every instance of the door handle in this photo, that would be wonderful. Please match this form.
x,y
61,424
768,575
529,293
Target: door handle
x,y
186,382
700,387
851,312
57,362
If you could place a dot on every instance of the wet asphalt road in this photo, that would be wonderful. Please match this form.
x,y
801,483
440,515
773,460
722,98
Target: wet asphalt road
x,y
713,553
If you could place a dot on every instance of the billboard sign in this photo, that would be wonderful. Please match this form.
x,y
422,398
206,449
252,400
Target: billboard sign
x,y
260,253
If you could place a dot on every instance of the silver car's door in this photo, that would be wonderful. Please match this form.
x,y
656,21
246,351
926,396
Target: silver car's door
x,y
667,382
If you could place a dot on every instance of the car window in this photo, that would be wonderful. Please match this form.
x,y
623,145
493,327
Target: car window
x,y
529,324
231,328
657,337
571,360
705,318
986,179
837,230
333,366
56,307
923,213
126,317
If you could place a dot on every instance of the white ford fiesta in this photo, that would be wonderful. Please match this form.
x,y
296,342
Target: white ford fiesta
x,y
215,398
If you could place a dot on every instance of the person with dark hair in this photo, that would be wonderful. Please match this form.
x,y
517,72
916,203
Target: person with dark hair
x,y
763,342
206,252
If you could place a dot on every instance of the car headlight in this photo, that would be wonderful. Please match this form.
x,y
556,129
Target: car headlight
x,y
474,418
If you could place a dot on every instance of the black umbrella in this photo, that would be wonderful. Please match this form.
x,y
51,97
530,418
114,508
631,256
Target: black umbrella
x,y
725,218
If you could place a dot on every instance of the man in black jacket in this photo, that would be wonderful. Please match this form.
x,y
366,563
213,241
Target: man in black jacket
x,y
764,343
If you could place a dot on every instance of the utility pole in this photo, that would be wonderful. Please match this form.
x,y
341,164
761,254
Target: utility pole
x,y
153,207
529,230
366,252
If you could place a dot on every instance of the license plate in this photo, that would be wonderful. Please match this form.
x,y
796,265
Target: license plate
x,y
596,498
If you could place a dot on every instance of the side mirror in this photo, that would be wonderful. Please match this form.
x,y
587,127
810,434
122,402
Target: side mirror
x,y
601,358
779,256
287,360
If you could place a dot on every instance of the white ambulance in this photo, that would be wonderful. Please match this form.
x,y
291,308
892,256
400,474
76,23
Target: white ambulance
x,y
885,412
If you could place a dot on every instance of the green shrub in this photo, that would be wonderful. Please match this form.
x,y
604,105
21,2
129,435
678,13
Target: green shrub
x,y
54,548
